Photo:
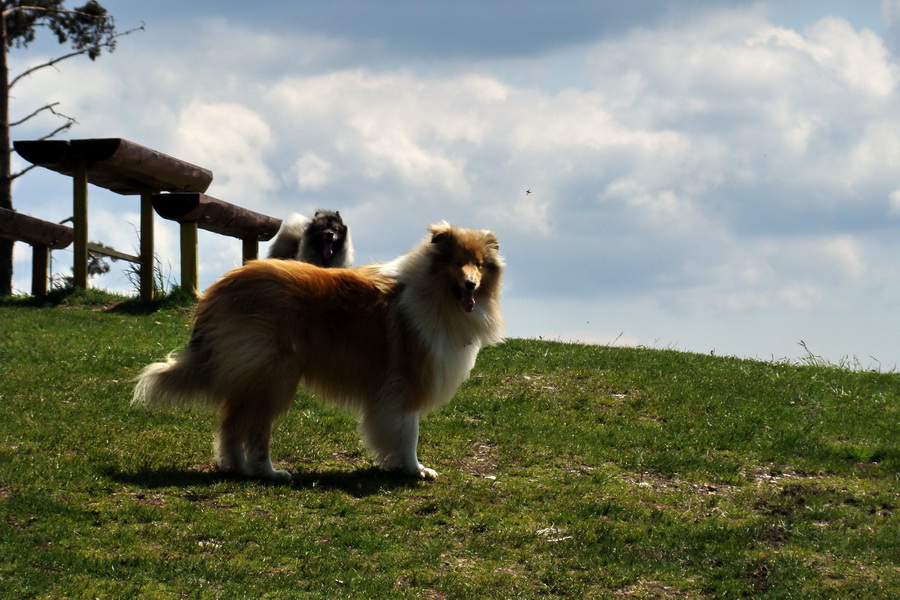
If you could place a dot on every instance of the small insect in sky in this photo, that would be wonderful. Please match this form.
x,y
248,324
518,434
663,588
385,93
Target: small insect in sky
x,y
527,192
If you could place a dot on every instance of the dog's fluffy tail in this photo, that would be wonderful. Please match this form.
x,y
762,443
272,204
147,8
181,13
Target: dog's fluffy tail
x,y
286,244
177,382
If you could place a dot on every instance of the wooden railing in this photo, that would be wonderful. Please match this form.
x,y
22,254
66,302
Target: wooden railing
x,y
193,210
44,236
41,236
130,169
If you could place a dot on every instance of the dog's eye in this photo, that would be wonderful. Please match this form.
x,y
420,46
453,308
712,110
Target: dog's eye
x,y
459,263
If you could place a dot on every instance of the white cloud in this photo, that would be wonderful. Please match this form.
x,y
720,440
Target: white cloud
x,y
658,209
383,125
894,200
845,254
313,172
783,104
858,59
231,140
801,297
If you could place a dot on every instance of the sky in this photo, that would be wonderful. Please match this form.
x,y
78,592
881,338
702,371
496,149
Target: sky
x,y
706,176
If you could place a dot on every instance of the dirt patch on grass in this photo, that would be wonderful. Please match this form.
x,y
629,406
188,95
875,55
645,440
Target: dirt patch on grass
x,y
481,459
663,483
569,385
654,590
403,583
149,499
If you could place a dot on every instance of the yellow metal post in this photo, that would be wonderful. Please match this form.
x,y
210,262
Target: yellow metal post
x,y
146,246
80,221
189,260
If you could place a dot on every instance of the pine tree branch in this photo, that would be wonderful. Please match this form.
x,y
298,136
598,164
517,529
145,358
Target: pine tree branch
x,y
16,9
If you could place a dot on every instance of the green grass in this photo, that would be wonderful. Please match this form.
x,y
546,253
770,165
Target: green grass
x,y
567,471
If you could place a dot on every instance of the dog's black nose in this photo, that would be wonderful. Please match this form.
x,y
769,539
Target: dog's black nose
x,y
470,285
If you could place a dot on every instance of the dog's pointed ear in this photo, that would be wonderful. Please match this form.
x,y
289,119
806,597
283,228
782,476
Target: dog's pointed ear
x,y
439,231
337,213
490,240
318,212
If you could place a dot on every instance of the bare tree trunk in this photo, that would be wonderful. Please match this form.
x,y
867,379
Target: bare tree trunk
x,y
6,245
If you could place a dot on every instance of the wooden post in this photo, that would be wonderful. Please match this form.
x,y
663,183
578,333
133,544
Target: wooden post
x,y
40,260
189,260
250,248
80,222
146,235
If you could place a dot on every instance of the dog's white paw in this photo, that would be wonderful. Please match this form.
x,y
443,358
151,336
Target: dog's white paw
x,y
280,476
274,475
415,472
426,473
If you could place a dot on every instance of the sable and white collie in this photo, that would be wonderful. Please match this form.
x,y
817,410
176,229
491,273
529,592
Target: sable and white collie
x,y
391,342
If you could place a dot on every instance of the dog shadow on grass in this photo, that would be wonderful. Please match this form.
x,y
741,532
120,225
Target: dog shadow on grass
x,y
358,483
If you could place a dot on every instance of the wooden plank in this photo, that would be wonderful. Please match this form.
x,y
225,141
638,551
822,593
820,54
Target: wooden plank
x,y
34,231
117,164
216,215
112,253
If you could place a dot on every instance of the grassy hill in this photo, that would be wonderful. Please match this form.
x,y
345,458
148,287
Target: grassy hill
x,y
567,471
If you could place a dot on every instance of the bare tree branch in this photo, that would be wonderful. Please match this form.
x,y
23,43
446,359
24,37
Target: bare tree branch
x,y
61,128
14,176
34,114
45,65
70,55
49,107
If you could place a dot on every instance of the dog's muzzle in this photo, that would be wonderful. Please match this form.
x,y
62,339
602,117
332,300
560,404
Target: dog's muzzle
x,y
467,294
328,244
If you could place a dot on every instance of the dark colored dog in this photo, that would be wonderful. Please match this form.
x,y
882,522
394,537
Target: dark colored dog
x,y
323,241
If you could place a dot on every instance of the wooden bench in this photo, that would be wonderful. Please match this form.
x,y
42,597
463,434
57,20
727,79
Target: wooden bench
x,y
131,169
41,236
44,236
123,167
193,210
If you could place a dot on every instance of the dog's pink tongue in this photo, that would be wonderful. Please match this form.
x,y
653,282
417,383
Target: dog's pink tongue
x,y
468,300
327,251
